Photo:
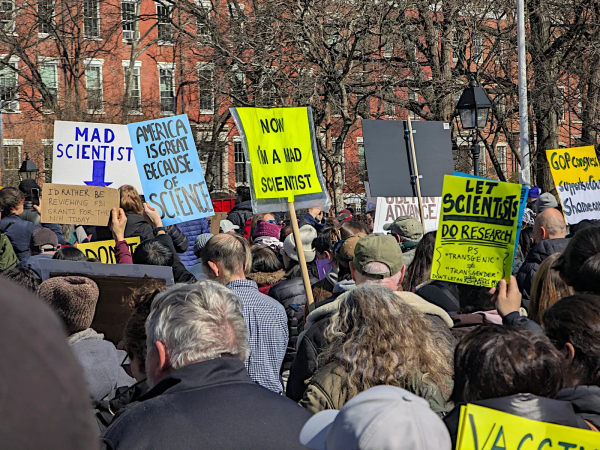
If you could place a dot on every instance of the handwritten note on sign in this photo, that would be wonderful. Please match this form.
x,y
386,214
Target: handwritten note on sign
x,y
80,205
483,428
477,231
576,174
280,152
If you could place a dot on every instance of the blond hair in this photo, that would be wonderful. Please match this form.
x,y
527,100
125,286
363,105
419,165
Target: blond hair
x,y
380,340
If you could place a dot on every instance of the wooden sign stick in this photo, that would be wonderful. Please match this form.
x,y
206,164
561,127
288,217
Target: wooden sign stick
x,y
414,158
300,252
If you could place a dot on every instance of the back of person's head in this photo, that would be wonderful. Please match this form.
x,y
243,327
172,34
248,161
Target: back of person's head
x,y
152,252
285,232
131,201
24,277
201,242
547,287
134,333
494,361
579,265
573,326
380,339
264,260
351,227
324,241
377,260
45,399
73,298
70,254
585,223
549,224
526,241
194,323
10,199
243,193
419,269
383,417
230,252
474,298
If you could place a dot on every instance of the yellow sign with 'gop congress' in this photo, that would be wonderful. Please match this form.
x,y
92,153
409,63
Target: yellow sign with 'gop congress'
x,y
487,429
280,152
477,231
573,165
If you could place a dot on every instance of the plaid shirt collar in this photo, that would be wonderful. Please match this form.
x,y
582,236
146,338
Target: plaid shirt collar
x,y
248,284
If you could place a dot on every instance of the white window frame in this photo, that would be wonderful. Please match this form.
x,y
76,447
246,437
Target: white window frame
x,y
206,66
89,63
44,34
50,61
502,161
204,37
10,29
171,67
85,33
360,142
14,143
387,50
137,65
158,23
16,109
238,140
477,56
412,95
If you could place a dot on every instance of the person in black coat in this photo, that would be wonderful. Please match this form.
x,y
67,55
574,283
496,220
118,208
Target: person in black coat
x,y
242,211
290,292
203,381
549,231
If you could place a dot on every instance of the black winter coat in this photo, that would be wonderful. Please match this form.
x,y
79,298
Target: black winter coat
x,y
240,214
290,293
210,404
19,231
137,226
528,406
538,253
585,401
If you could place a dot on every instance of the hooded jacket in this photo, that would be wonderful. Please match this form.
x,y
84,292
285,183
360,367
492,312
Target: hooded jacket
x,y
266,280
240,214
528,406
308,219
19,232
290,293
585,401
535,257
211,404
192,230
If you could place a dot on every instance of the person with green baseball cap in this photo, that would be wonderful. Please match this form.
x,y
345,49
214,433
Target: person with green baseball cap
x,y
408,231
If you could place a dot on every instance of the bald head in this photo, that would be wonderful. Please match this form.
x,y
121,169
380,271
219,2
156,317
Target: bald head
x,y
549,224
225,257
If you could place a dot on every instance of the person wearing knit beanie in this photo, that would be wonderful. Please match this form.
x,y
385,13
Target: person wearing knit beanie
x,y
267,233
74,299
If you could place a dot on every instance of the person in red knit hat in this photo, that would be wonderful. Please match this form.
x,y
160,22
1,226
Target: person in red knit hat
x,y
267,233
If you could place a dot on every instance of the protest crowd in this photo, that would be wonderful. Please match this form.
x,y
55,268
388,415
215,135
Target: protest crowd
x,y
330,337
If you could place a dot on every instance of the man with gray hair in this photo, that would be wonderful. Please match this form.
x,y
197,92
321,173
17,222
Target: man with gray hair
x,y
200,393
225,259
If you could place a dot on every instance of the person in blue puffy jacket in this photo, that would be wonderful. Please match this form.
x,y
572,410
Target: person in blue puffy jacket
x,y
192,230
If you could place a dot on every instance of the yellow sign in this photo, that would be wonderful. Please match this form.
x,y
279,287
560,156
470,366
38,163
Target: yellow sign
x,y
573,165
477,231
576,174
280,152
487,429
104,251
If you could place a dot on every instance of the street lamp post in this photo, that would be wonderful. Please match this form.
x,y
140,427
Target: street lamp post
x,y
28,169
474,109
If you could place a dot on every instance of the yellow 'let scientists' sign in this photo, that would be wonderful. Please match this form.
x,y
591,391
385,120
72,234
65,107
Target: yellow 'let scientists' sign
x,y
486,429
280,152
477,230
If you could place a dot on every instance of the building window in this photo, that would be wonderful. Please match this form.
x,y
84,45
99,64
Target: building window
x,y
501,156
45,16
482,159
477,49
165,23
269,91
413,97
205,88
93,86
49,76
238,83
388,49
203,22
91,19
135,92
9,88
167,90
560,107
47,147
388,105
458,45
129,17
241,177
7,15
12,161
362,162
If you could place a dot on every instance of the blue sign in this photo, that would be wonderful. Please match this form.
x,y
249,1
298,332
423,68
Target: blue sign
x,y
169,168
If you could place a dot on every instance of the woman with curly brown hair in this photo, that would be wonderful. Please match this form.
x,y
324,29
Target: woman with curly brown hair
x,y
377,339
